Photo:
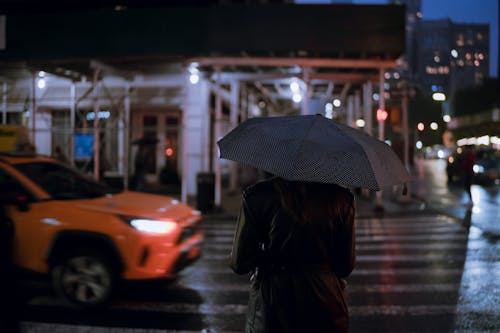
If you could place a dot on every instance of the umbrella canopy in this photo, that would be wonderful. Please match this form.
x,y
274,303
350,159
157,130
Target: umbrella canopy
x,y
314,148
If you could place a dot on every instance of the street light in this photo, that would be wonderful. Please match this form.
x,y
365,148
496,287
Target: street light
x,y
439,96
360,122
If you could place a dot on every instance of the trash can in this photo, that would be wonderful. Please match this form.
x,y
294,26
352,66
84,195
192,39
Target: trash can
x,y
205,197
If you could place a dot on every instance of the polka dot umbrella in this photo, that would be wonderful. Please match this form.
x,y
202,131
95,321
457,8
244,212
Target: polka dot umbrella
x,y
314,148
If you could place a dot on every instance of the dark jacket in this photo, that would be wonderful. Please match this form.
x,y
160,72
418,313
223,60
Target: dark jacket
x,y
297,267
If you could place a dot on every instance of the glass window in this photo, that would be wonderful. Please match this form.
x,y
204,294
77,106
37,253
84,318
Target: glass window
x,y
62,182
16,189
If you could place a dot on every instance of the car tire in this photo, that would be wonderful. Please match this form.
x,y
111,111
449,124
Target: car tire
x,y
84,279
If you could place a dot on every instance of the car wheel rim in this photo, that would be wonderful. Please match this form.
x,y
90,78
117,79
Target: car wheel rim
x,y
86,280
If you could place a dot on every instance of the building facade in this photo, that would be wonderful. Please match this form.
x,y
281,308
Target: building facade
x,y
451,56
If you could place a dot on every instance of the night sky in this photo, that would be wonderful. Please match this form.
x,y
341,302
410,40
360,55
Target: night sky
x,y
459,11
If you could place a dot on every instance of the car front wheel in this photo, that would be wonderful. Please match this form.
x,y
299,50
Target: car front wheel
x,y
84,279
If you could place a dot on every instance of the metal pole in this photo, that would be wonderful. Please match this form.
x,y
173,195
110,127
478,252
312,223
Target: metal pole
x,y
126,137
33,108
72,120
305,99
406,140
357,106
381,124
4,103
96,125
381,105
185,117
217,135
350,111
235,90
367,107
405,129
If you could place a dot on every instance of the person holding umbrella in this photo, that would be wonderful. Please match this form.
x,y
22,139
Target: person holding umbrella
x,y
295,232
298,240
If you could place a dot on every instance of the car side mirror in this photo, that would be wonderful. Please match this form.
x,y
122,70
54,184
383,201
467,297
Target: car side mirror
x,y
21,202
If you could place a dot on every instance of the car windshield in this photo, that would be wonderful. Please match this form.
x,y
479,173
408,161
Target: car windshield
x,y
61,182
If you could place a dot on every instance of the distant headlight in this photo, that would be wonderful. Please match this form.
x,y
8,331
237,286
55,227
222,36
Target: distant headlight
x,y
478,168
151,226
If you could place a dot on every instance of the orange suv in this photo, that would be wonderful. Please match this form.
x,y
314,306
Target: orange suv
x,y
87,237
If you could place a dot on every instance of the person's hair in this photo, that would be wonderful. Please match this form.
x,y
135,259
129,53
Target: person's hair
x,y
312,202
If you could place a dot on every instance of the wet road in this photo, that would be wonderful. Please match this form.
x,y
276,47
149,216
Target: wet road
x,y
419,271
430,184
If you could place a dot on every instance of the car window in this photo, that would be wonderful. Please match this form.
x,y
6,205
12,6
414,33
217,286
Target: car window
x,y
62,182
12,189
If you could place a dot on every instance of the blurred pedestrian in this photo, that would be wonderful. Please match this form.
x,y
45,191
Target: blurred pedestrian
x,y
467,165
297,240
140,166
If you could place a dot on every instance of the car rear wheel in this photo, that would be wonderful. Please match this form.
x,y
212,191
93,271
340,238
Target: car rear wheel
x,y
84,279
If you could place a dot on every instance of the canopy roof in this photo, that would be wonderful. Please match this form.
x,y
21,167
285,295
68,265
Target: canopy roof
x,y
337,45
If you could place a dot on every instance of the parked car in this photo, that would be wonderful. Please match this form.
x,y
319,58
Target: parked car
x,y
486,167
85,237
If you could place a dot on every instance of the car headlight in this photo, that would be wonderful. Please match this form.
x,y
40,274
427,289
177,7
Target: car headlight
x,y
151,226
478,168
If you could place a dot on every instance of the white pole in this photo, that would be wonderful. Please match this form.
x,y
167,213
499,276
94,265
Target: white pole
x,y
217,135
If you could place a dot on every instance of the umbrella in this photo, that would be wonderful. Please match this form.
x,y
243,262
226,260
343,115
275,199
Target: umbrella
x,y
314,148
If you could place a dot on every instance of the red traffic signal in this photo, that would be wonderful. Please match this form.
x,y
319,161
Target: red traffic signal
x,y
381,115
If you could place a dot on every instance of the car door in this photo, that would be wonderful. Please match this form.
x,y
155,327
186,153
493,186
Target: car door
x,y
33,222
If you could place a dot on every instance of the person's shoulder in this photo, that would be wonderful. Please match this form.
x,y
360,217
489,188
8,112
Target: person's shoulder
x,y
260,188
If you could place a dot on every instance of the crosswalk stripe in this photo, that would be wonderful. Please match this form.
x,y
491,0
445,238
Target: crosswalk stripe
x,y
374,258
370,246
412,237
430,237
239,287
416,272
39,327
241,309
362,231
421,219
